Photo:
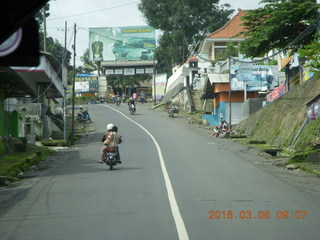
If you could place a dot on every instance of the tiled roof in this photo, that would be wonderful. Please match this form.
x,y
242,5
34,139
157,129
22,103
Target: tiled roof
x,y
231,28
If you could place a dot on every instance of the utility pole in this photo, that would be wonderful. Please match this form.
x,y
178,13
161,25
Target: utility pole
x,y
73,83
65,90
44,30
154,78
229,63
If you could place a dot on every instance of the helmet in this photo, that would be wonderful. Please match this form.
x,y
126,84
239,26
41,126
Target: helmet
x,y
109,126
115,129
80,107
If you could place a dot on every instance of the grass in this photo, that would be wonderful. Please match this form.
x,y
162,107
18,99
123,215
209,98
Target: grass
x,y
55,142
13,164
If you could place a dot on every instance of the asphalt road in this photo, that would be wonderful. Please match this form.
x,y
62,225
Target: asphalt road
x,y
175,182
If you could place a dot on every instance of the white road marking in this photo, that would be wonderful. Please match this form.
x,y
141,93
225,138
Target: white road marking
x,y
182,231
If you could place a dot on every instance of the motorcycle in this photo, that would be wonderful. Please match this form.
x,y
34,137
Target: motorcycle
x,y
83,116
111,158
222,129
118,101
132,109
173,110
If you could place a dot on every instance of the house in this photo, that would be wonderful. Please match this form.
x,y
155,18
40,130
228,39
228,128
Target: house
x,y
234,82
30,99
214,45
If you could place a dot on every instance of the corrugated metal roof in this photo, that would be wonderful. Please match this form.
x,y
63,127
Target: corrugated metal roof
x,y
218,78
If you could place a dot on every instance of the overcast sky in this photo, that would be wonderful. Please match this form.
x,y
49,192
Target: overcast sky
x,y
101,13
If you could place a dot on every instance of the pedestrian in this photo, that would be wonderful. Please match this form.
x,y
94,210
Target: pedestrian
x,y
142,97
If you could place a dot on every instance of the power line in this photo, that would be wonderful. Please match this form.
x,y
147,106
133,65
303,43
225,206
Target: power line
x,y
100,10
310,29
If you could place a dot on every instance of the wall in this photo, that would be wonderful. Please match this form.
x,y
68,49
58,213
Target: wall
x,y
183,101
250,106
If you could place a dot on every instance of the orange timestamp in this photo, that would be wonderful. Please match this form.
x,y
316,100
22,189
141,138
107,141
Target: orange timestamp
x,y
263,214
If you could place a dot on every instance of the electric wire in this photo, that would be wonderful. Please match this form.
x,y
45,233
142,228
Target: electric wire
x,y
56,74
309,30
100,10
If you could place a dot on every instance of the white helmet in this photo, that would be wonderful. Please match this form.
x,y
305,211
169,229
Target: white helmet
x,y
109,126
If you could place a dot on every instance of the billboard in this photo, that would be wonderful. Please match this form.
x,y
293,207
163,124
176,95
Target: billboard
x,y
256,77
86,83
160,85
122,43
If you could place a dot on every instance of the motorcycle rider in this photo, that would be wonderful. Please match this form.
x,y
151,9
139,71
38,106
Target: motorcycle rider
x,y
105,147
115,129
118,99
131,101
110,139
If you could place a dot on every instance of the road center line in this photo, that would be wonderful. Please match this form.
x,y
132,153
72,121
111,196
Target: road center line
x,y
182,231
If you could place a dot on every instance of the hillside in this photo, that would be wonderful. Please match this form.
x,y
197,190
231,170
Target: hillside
x,y
279,122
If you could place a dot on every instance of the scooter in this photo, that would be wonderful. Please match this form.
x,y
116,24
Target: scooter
x,y
83,116
132,109
173,110
111,158
222,130
118,101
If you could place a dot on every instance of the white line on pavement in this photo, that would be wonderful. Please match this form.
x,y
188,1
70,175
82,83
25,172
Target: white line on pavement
x,y
182,231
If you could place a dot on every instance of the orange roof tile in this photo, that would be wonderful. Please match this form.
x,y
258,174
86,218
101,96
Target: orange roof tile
x,y
231,28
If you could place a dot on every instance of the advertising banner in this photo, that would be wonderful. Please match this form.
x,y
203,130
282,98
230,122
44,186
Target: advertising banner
x,y
254,77
276,93
122,43
86,83
161,80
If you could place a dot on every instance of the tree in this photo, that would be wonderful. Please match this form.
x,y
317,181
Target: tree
x,y
312,53
39,15
126,81
57,50
276,24
88,65
53,45
184,23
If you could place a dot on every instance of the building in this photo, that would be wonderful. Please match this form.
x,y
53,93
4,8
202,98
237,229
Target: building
x,y
30,99
233,81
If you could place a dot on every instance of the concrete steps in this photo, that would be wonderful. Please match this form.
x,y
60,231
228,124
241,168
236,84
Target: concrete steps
x,y
197,101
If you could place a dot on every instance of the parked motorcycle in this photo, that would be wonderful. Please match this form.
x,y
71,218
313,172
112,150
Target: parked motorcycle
x,y
222,129
132,109
83,117
111,158
173,110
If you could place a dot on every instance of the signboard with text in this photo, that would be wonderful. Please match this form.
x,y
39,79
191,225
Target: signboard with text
x,y
254,77
122,43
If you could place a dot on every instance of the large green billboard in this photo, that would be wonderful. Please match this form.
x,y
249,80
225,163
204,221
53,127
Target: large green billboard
x,y
122,43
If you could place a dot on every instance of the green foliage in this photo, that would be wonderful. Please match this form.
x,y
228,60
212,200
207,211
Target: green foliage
x,y
277,24
184,23
279,122
53,45
126,81
88,65
309,136
312,53
3,148
39,15
13,164
232,50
